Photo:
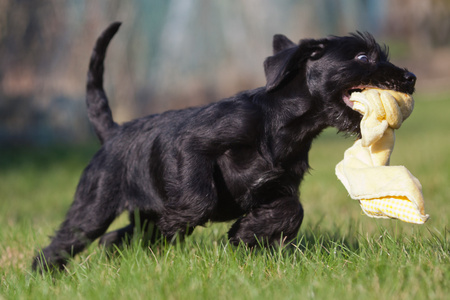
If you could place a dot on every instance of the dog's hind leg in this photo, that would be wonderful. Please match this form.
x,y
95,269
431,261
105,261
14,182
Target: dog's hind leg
x,y
117,237
268,223
78,230
140,223
95,206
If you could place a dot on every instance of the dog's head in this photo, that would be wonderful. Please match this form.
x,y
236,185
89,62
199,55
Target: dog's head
x,y
331,69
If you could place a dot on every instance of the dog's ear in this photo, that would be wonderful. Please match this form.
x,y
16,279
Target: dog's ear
x,y
285,63
281,42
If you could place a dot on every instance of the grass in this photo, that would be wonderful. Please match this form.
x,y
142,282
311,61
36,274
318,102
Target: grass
x,y
339,254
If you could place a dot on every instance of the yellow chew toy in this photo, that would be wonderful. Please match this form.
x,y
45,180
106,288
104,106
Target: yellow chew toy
x,y
383,191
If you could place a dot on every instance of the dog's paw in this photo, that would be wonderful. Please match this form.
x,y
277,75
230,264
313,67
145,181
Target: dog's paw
x,y
42,264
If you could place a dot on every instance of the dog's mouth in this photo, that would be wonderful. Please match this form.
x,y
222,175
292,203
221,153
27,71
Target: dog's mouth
x,y
347,94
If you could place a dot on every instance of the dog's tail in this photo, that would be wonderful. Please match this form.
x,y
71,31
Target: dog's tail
x,y
99,112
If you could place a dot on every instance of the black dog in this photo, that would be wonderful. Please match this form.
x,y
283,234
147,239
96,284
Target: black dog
x,y
240,158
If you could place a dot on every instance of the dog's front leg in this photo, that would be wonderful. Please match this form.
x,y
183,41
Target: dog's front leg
x,y
268,223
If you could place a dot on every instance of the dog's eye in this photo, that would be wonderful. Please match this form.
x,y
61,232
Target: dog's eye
x,y
363,58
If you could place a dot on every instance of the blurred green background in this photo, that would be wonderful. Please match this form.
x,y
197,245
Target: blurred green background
x,y
177,53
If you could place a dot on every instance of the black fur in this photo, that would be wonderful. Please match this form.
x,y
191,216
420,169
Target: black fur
x,y
240,158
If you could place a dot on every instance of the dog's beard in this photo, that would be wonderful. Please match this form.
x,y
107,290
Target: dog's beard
x,y
344,118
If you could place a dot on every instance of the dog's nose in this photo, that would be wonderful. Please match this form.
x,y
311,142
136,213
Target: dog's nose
x,y
410,78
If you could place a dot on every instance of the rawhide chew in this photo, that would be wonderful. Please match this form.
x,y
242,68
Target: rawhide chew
x,y
383,191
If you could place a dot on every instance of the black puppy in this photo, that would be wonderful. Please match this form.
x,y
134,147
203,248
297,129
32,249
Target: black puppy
x,y
240,158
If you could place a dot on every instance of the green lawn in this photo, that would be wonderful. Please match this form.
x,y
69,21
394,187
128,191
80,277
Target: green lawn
x,y
340,253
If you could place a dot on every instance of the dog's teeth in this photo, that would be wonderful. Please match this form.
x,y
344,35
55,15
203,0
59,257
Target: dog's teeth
x,y
355,90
